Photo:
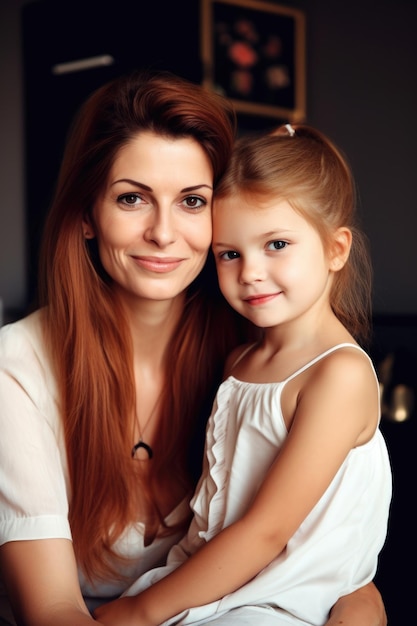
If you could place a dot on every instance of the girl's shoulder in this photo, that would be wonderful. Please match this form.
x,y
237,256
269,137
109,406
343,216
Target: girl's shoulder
x,y
344,371
344,362
346,355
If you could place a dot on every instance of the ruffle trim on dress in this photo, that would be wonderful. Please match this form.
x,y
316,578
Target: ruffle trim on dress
x,y
210,502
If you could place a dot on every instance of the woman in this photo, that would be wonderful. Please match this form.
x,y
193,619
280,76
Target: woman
x,y
104,387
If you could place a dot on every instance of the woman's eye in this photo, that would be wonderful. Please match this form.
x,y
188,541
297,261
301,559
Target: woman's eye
x,y
277,245
194,202
130,199
229,255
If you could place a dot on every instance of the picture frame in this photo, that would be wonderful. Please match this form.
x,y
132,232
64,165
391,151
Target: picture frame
x,y
254,53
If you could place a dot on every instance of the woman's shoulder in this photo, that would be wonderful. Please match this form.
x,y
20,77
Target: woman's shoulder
x,y
23,353
24,360
18,336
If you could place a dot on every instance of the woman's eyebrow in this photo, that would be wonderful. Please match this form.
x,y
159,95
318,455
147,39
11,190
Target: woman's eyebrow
x,y
137,183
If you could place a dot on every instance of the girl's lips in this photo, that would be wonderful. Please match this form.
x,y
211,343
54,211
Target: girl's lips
x,y
157,264
261,298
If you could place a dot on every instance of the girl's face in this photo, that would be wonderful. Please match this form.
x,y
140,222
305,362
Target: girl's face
x,y
271,263
153,221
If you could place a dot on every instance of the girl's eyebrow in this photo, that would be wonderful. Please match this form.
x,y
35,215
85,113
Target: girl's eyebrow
x,y
137,183
273,234
278,232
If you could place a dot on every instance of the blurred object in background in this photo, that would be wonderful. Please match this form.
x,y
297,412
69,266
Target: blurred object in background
x,y
398,383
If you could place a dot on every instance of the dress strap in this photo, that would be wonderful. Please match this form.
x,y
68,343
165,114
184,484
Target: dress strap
x,y
326,353
241,355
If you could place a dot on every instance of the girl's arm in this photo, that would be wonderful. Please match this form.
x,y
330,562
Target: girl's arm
x,y
42,583
328,424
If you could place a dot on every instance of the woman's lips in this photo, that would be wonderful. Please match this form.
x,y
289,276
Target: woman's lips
x,y
157,264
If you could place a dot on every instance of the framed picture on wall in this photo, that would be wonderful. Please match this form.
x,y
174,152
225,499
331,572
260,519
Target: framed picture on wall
x,y
253,52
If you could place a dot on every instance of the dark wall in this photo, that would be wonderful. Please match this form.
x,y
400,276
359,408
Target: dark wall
x,y
361,90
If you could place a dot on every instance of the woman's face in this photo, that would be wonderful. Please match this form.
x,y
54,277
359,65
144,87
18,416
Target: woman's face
x,y
153,221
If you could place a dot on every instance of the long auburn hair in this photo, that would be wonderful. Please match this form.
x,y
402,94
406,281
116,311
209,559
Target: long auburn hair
x,y
85,328
301,165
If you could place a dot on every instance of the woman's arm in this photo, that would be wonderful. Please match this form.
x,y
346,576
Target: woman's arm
x,y
42,583
363,607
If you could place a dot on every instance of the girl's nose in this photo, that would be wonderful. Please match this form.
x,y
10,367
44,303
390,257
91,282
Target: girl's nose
x,y
161,228
251,271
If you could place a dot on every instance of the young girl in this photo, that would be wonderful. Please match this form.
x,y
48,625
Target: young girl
x,y
291,510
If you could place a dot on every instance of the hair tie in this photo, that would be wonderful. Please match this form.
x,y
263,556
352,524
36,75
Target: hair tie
x,y
290,130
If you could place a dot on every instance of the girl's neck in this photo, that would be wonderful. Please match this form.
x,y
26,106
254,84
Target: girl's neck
x,y
314,333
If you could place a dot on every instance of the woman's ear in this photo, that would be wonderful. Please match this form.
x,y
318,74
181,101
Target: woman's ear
x,y
88,228
340,248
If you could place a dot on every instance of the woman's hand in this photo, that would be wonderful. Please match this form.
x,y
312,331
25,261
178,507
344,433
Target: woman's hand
x,y
121,612
363,607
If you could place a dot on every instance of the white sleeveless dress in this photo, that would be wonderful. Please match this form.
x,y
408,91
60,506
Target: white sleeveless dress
x,y
335,550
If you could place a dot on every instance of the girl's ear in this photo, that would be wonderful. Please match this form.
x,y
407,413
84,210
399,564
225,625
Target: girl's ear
x,y
340,248
88,228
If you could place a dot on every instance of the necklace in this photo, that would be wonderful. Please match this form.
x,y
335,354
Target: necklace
x,y
141,456
142,451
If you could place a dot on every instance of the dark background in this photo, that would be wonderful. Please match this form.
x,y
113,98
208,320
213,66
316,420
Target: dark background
x,y
361,90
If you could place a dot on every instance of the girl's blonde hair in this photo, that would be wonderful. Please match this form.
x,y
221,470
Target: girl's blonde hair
x,y
301,165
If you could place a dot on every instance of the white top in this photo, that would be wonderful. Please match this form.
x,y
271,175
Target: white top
x,y
34,483
335,549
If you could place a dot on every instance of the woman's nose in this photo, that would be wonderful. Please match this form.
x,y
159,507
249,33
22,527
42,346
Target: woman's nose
x,y
161,228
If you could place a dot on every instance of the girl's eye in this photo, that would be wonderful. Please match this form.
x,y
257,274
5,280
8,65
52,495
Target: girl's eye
x,y
194,202
277,245
229,255
130,199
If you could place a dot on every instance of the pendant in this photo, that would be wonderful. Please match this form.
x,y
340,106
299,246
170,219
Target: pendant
x,y
142,451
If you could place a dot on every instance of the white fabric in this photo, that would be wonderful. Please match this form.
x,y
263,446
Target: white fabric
x,y
333,552
34,484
